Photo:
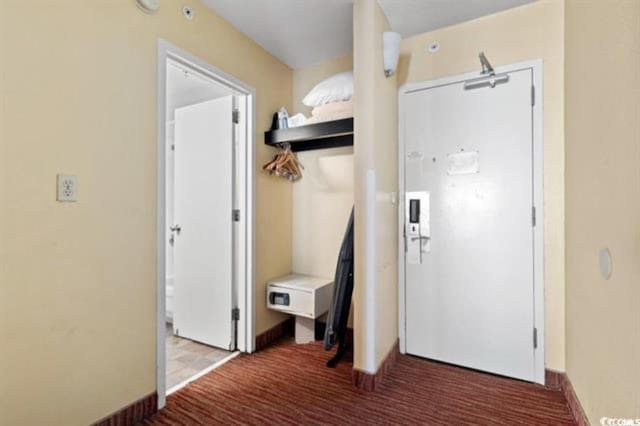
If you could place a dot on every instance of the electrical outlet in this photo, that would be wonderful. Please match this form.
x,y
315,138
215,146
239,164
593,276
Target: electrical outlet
x,y
67,188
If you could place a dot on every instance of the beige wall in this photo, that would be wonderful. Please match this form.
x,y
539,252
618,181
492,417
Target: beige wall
x,y
77,281
375,153
602,92
529,32
323,199
322,202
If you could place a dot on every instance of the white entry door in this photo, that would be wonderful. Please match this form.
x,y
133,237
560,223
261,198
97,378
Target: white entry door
x,y
203,212
469,268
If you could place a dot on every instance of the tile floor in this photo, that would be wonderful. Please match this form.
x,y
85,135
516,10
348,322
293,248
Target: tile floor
x,y
186,358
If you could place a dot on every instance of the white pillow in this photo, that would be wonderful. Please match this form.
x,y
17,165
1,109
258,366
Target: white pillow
x,y
334,89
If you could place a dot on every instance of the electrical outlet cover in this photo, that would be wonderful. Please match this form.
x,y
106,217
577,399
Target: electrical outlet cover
x,y
67,188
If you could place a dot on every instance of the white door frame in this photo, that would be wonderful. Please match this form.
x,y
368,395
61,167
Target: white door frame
x,y
245,231
536,68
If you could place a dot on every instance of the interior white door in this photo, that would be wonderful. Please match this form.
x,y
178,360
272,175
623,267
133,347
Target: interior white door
x,y
203,206
470,293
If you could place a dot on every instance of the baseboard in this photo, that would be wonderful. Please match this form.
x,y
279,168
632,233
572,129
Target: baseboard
x,y
285,328
553,379
370,382
132,413
560,382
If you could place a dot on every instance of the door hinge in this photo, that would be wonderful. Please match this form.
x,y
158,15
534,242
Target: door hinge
x,y
236,215
533,95
533,216
235,314
535,338
236,116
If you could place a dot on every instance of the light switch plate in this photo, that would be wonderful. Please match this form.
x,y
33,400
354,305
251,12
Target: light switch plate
x,y
67,188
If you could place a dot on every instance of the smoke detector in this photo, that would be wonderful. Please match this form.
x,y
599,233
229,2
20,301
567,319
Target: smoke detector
x,y
148,6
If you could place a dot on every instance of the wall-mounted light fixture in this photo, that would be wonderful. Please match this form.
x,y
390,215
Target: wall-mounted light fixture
x,y
391,51
148,6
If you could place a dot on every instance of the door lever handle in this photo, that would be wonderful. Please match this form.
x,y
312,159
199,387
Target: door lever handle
x,y
176,229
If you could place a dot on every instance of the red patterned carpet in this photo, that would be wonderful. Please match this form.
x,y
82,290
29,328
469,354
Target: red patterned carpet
x,y
289,384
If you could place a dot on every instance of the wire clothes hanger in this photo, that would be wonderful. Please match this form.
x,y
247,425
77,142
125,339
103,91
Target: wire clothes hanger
x,y
285,164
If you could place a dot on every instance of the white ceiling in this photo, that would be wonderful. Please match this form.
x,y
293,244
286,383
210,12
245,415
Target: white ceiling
x,y
411,17
306,32
187,88
298,32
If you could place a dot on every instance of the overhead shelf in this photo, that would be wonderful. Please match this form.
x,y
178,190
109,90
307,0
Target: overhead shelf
x,y
330,134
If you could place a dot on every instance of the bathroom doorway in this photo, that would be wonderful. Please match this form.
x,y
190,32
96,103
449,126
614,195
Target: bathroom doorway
x,y
205,219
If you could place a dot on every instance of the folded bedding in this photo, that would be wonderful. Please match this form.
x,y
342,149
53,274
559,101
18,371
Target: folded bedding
x,y
331,111
333,108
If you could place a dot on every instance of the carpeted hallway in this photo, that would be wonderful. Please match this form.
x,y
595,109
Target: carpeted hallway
x,y
289,384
